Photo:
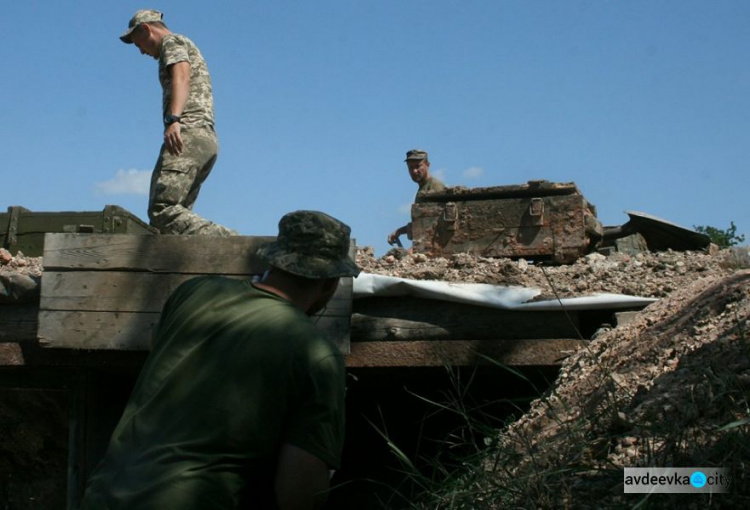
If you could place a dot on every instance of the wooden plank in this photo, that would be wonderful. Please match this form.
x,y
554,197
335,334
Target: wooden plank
x,y
96,326
380,319
106,291
154,253
544,352
121,291
96,330
132,330
102,328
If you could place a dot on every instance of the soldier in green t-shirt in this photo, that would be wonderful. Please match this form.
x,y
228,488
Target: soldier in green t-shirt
x,y
240,403
418,164
190,143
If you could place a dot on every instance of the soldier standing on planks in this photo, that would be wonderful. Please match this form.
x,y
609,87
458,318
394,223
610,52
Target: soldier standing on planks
x,y
240,404
190,143
418,164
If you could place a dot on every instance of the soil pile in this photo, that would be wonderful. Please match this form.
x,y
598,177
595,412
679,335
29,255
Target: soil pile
x,y
653,275
671,388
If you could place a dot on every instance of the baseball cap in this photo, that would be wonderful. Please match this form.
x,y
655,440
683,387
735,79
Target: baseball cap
x,y
311,244
140,17
415,154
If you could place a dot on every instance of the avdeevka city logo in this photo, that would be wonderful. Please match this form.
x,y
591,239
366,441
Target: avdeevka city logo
x,y
677,480
698,479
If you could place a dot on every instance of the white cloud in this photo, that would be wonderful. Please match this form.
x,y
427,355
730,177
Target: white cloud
x,y
404,209
439,173
126,182
473,172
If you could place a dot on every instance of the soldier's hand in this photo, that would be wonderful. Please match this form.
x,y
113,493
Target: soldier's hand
x,y
173,140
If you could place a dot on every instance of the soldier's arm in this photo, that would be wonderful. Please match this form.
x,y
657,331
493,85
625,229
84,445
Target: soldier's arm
x,y
398,233
180,90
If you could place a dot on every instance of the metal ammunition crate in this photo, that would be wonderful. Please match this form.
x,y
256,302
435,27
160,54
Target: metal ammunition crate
x,y
539,220
23,230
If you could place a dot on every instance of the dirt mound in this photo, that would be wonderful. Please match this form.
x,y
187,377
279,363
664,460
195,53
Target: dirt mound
x,y
670,389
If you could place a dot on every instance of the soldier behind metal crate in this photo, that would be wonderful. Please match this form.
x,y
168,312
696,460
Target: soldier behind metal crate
x,y
240,403
418,164
190,143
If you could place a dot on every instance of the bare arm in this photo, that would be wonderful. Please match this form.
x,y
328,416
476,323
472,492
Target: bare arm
x,y
301,479
398,233
180,91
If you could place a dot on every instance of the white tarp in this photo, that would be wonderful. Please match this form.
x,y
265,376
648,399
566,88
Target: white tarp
x,y
483,294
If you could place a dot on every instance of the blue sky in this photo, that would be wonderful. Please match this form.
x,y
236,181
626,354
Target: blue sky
x,y
642,103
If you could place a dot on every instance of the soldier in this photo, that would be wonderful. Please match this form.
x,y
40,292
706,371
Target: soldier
x,y
190,143
240,404
418,164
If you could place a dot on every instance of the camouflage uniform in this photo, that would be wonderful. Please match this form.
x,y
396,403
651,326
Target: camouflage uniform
x,y
177,179
311,244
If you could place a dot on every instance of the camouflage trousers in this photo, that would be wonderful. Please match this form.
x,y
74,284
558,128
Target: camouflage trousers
x,y
176,182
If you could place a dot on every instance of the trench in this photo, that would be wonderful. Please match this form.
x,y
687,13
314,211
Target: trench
x,y
402,404
422,411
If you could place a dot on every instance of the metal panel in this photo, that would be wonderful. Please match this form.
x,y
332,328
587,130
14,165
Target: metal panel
x,y
23,230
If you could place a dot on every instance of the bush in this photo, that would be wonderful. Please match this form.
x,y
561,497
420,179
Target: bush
x,y
722,238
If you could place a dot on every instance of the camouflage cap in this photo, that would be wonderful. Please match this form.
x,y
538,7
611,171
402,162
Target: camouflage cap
x,y
416,154
311,244
140,17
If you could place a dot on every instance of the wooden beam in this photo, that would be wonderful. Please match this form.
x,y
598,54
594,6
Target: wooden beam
x,y
380,319
546,352
154,253
105,291
122,291
132,331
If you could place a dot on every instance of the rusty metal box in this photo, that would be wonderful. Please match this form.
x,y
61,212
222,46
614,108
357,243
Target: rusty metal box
x,y
539,220
23,230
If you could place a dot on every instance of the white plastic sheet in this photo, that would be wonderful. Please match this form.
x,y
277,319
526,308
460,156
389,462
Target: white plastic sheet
x,y
482,294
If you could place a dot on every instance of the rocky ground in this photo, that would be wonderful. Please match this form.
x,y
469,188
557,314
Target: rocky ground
x,y
670,389
20,277
653,275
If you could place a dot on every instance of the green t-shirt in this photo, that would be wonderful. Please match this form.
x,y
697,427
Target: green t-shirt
x,y
234,373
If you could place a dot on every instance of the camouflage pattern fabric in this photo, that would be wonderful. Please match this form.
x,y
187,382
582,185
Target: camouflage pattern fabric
x,y
199,110
176,182
311,244
417,154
